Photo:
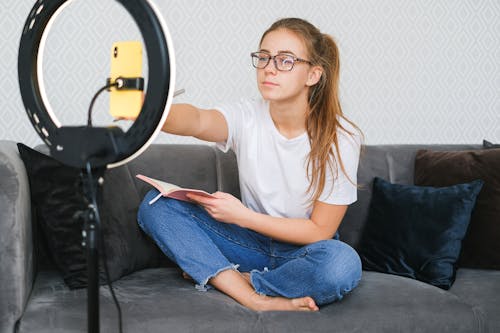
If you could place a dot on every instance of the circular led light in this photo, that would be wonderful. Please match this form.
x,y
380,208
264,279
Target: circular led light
x,y
100,146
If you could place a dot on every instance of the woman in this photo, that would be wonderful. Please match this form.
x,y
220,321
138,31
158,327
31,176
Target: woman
x,y
297,158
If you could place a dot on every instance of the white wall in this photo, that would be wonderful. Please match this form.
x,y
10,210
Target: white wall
x,y
411,71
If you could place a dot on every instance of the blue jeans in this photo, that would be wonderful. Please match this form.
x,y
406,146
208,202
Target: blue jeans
x,y
203,247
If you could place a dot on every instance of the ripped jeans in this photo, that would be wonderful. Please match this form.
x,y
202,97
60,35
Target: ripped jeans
x,y
203,247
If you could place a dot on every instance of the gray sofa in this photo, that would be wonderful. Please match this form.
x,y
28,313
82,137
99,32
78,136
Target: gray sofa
x,y
34,298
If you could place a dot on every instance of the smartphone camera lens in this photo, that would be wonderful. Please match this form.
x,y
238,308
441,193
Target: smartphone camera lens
x,y
115,52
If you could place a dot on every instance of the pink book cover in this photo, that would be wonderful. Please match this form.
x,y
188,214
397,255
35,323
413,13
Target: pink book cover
x,y
171,190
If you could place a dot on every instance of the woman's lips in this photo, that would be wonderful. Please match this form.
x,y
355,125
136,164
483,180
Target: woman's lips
x,y
267,83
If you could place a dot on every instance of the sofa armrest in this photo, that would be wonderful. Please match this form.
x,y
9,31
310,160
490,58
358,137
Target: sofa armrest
x,y
16,240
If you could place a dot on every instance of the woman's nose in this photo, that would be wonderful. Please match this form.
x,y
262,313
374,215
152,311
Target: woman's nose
x,y
271,67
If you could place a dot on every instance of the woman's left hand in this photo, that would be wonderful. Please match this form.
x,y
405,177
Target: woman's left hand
x,y
224,207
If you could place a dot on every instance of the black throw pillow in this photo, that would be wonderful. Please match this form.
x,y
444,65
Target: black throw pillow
x,y
57,194
416,231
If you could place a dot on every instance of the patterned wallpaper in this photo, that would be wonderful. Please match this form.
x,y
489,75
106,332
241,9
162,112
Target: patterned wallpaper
x,y
424,71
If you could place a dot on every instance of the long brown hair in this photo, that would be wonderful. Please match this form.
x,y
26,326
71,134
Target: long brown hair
x,y
323,118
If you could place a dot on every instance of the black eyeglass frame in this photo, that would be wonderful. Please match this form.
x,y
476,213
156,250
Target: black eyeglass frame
x,y
294,58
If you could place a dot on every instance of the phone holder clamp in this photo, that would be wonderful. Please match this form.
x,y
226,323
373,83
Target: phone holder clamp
x,y
127,83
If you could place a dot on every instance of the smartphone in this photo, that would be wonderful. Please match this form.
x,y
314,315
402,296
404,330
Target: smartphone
x,y
126,61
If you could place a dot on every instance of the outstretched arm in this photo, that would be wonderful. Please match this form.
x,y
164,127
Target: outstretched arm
x,y
186,119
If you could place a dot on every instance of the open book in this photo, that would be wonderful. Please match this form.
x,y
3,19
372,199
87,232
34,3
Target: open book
x,y
171,190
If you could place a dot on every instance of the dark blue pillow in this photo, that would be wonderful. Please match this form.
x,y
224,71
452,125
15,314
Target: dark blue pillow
x,y
417,231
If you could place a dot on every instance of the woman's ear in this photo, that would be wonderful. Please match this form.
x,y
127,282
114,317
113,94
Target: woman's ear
x,y
314,76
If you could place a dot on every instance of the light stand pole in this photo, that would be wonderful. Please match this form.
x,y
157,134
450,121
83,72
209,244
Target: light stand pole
x,y
91,234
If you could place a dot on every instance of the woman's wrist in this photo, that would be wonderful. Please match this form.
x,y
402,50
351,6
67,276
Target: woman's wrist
x,y
245,221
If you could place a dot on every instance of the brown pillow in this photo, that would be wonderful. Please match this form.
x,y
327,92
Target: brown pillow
x,y
481,246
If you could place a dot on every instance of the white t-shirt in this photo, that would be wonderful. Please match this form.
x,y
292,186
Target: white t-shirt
x,y
272,168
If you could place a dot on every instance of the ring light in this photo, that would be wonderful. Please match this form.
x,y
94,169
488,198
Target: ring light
x,y
99,146
93,149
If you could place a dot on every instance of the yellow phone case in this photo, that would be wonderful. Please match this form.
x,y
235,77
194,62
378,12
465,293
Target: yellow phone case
x,y
126,61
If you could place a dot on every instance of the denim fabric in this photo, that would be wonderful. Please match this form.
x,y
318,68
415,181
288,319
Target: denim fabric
x,y
203,247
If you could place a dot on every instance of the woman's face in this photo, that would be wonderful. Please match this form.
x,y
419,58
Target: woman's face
x,y
285,86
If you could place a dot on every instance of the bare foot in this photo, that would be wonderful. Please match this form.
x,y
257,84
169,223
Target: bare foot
x,y
186,276
267,303
246,275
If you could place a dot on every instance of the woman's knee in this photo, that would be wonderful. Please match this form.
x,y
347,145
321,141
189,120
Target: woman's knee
x,y
146,210
340,269
149,215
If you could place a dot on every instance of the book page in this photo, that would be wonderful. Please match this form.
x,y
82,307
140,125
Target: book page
x,y
167,187
164,187
171,190
180,194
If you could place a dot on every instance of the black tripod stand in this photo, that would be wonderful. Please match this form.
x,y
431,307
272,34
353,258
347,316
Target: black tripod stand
x,y
91,234
106,146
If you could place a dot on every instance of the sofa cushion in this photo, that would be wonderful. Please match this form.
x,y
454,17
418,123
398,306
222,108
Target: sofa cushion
x,y
57,194
160,300
480,288
417,231
481,246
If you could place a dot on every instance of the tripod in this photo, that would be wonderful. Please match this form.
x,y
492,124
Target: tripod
x,y
91,237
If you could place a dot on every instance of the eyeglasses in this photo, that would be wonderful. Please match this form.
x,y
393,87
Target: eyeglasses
x,y
282,61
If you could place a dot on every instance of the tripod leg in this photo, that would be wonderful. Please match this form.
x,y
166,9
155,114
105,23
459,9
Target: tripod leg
x,y
93,278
